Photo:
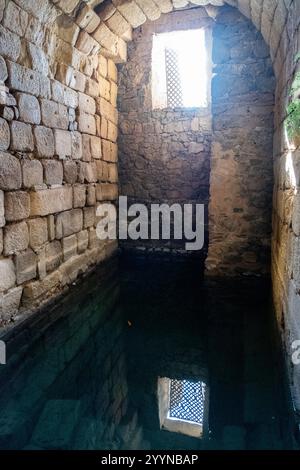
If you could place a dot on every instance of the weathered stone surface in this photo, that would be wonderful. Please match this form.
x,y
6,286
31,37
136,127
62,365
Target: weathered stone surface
x,y
26,264
10,172
15,19
82,241
89,217
29,108
106,192
51,201
32,173
21,137
17,206
53,171
131,12
9,303
10,44
87,19
87,123
69,246
112,71
23,79
87,172
86,104
109,151
63,143
70,172
16,238
44,141
2,219
69,222
3,70
54,255
38,232
106,110
79,195
54,114
76,143
4,135
7,274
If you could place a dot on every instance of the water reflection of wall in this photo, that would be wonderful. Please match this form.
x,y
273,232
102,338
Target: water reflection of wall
x,y
65,383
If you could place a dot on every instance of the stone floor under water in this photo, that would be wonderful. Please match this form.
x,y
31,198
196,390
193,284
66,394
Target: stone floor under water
x,y
83,373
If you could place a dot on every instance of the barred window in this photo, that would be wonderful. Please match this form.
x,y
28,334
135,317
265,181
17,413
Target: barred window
x,y
187,401
180,70
183,406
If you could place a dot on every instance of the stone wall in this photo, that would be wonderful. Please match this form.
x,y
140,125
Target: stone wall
x,y
286,208
58,132
164,154
241,182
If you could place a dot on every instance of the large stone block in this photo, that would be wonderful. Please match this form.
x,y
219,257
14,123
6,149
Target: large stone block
x,y
63,143
21,137
70,172
17,206
69,245
23,79
82,241
54,114
10,172
16,238
9,303
79,195
39,59
26,264
50,201
32,173
87,123
69,222
41,9
10,44
109,151
44,141
118,25
86,104
106,110
87,19
53,171
15,19
38,232
95,147
54,256
106,192
76,142
7,274
4,135
29,108
131,12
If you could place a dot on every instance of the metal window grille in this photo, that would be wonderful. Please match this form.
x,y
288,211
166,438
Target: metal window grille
x,y
187,400
174,88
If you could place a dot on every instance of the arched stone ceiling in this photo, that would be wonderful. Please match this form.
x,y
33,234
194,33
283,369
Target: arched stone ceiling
x,y
110,22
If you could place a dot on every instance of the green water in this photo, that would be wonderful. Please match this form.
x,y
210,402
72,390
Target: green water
x,y
83,373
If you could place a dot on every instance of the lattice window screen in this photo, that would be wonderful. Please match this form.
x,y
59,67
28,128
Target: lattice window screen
x,y
174,88
187,400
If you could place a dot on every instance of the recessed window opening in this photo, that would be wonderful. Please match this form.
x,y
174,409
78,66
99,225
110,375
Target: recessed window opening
x,y
180,69
183,406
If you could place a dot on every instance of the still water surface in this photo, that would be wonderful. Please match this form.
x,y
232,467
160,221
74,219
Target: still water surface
x,y
83,373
